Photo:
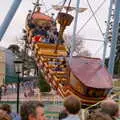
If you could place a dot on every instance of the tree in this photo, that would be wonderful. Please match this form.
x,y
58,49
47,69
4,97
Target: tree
x,y
14,48
43,85
117,58
116,67
29,61
79,48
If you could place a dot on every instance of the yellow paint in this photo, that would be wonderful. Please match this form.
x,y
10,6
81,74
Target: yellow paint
x,y
2,67
76,84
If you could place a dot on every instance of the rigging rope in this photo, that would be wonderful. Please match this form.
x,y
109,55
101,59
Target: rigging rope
x,y
95,18
99,7
56,4
42,1
68,6
88,39
62,6
98,50
112,96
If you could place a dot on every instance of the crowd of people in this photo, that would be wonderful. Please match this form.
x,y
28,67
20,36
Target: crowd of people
x,y
46,33
34,110
58,64
109,110
26,87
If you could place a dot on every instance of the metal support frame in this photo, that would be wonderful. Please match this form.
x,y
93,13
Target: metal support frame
x,y
114,37
9,17
107,30
73,41
18,93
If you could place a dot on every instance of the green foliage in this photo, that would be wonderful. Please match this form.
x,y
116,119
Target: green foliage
x,y
106,62
116,68
14,48
43,85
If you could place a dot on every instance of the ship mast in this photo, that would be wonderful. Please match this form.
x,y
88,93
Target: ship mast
x,y
37,4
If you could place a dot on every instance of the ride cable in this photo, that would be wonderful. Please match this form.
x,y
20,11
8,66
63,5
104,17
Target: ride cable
x,y
52,7
99,7
95,18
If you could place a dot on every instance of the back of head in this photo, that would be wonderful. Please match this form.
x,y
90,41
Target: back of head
x,y
98,115
6,107
110,107
29,108
72,104
4,116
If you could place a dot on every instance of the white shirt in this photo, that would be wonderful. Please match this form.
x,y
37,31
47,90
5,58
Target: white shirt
x,y
72,117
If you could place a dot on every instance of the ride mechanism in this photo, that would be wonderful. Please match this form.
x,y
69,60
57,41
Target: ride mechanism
x,y
85,77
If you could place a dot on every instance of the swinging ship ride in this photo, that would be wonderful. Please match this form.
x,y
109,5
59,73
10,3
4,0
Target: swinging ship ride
x,y
85,77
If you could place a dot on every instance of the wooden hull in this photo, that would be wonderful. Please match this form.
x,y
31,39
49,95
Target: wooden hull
x,y
66,87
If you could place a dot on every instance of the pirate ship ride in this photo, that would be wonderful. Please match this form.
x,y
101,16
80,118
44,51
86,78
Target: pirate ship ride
x,y
85,77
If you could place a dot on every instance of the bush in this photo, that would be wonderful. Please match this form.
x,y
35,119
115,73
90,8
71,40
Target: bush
x,y
43,85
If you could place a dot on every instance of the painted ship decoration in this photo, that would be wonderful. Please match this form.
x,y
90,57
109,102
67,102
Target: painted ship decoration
x,y
85,77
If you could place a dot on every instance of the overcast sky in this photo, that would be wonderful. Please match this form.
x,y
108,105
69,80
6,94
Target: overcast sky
x,y
90,30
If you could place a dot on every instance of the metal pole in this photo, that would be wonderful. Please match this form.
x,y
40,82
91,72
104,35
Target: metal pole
x,y
74,32
9,17
18,88
107,30
36,4
114,37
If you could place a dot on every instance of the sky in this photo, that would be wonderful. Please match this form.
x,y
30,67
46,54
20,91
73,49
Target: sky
x,y
90,31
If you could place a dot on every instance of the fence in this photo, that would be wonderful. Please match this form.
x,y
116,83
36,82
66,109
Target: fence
x,y
53,103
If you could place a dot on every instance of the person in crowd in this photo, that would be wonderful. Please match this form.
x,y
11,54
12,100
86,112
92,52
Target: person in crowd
x,y
63,62
31,24
7,108
43,32
4,115
28,19
3,89
57,61
111,108
62,114
58,68
63,65
51,36
36,31
108,110
55,32
47,28
0,92
39,34
72,105
32,110
46,39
